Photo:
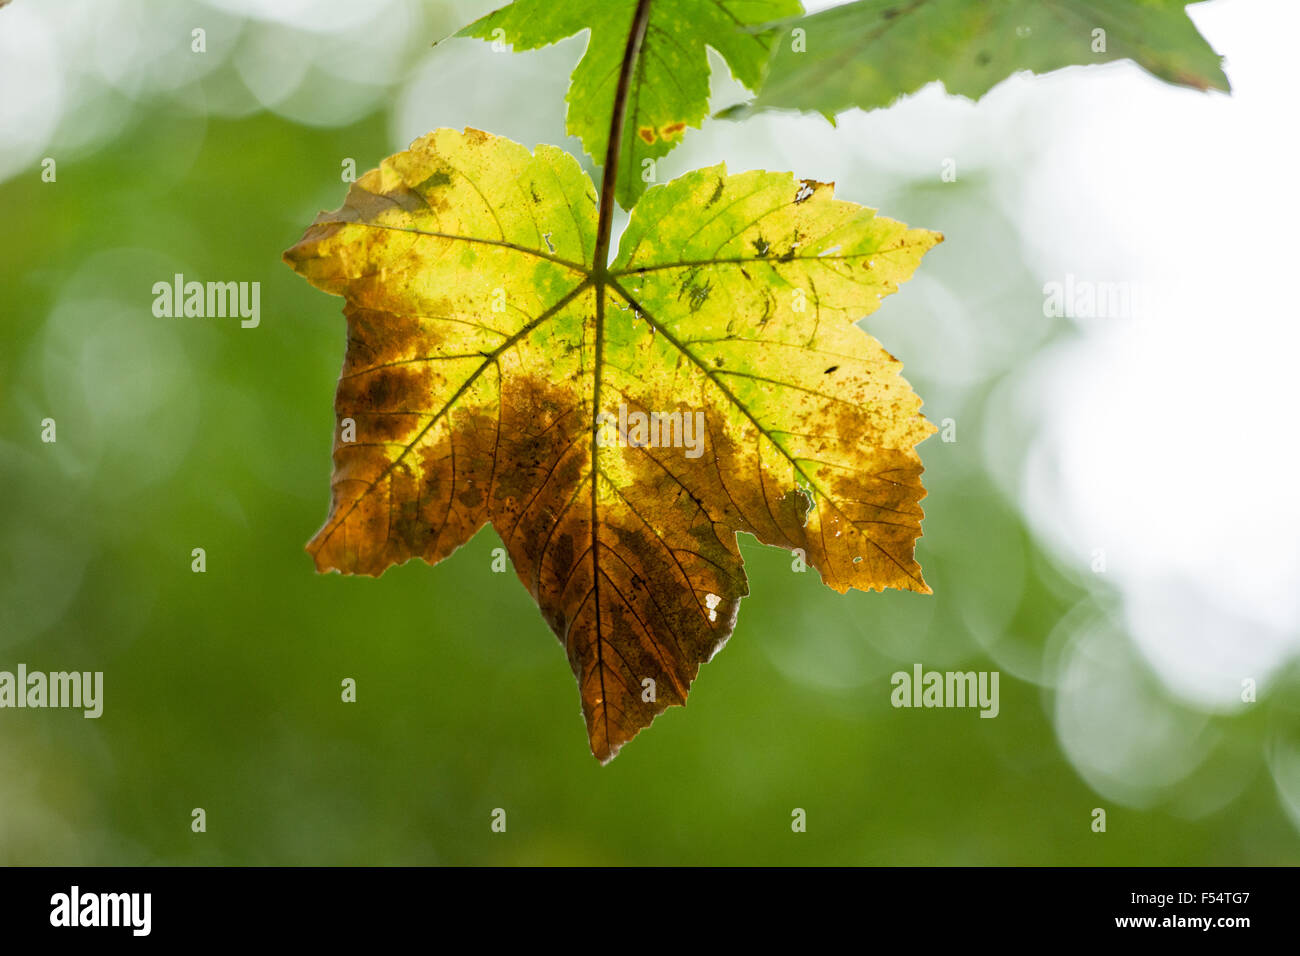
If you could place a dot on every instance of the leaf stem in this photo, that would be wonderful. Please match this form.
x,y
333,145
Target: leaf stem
x,y
600,260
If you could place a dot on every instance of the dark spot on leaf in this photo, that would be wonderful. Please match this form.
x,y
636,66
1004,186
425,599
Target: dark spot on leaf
x,y
384,387
470,495
688,280
382,395
440,178
984,58
699,294
647,134
761,246
408,199
831,369
717,194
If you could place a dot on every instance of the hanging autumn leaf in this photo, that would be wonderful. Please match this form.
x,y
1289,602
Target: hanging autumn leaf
x,y
616,425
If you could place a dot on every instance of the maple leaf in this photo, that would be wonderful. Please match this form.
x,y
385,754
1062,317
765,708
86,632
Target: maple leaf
x,y
869,53
493,359
669,89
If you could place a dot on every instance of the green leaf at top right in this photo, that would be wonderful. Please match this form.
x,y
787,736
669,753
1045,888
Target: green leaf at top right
x,y
869,53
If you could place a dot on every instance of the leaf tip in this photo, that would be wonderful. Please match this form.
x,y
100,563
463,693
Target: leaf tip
x,y
475,136
736,112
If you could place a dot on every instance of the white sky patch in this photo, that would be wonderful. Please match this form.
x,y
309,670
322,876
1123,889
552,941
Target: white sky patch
x,y
29,62
1165,440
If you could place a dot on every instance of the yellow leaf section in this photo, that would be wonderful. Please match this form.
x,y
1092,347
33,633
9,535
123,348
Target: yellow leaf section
x,y
460,260
753,297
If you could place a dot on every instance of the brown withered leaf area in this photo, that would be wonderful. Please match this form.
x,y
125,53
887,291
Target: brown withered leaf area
x,y
491,362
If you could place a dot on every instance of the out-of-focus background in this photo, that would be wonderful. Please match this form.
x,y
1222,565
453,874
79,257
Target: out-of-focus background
x,y
1115,528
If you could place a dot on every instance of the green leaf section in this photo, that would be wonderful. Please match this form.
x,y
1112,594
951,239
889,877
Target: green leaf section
x,y
869,53
669,88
